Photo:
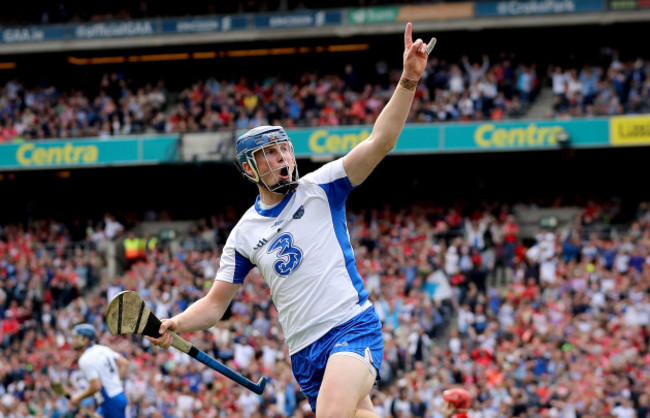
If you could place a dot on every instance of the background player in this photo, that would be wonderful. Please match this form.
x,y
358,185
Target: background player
x,y
104,369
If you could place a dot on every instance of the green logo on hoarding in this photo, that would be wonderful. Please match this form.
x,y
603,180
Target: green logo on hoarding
x,y
373,15
622,4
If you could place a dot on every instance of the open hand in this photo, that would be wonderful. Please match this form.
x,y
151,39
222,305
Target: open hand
x,y
415,55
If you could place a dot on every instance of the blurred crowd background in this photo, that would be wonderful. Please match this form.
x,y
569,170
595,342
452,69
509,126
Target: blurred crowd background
x,y
555,327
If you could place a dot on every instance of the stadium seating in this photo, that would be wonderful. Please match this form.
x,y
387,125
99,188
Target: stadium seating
x,y
520,325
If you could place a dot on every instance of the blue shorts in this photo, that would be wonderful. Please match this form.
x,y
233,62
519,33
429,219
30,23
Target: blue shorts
x,y
114,407
359,335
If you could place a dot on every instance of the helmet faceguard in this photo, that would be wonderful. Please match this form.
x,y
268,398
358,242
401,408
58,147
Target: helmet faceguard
x,y
266,139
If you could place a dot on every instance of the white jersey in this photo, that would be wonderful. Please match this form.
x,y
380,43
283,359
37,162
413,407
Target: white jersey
x,y
99,362
302,249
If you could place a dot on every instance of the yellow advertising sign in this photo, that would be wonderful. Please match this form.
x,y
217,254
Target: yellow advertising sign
x,y
630,130
31,155
506,136
322,141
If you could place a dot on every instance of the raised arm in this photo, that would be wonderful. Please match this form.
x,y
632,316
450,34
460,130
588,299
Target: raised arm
x,y
360,162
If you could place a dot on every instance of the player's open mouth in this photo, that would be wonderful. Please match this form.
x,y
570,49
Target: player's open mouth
x,y
284,173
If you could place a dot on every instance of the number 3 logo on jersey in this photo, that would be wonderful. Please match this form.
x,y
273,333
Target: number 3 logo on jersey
x,y
289,256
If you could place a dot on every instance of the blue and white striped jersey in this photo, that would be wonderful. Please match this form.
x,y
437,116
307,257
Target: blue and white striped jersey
x,y
302,249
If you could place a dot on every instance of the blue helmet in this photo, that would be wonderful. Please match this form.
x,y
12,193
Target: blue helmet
x,y
257,139
85,330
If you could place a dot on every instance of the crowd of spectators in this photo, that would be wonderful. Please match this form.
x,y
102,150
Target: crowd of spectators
x,y
557,327
486,89
120,108
448,92
43,111
615,88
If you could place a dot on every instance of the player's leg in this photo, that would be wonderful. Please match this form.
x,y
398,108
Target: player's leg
x,y
352,368
346,386
337,372
365,409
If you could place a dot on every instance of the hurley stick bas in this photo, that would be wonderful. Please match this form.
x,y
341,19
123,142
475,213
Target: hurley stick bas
x,y
128,314
58,388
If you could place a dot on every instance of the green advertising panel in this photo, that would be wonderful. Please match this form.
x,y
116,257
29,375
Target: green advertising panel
x,y
528,135
418,139
415,139
468,137
622,4
373,15
88,153
337,141
159,149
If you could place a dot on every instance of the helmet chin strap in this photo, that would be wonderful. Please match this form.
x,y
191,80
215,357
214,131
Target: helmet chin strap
x,y
283,187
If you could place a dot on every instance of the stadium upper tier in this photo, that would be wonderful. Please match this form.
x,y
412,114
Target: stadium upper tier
x,y
75,11
72,26
493,88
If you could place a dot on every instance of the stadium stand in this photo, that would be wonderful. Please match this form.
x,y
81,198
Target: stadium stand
x,y
618,87
523,324
499,91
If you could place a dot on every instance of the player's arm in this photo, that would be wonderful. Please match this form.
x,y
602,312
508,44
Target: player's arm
x,y
94,386
202,314
122,366
90,371
360,162
205,312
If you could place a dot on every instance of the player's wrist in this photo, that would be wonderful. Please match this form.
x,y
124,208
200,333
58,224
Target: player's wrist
x,y
175,325
409,82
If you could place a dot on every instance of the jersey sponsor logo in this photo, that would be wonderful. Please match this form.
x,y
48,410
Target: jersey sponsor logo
x,y
260,244
278,222
289,256
299,212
